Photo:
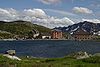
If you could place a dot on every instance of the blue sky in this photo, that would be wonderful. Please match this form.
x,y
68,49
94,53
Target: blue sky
x,y
63,5
60,10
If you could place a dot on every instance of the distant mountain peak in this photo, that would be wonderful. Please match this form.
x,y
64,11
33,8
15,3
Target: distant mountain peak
x,y
86,26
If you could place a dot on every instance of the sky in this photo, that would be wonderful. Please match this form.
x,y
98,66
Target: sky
x,y
50,13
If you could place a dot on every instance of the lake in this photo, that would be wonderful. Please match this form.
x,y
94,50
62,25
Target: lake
x,y
49,48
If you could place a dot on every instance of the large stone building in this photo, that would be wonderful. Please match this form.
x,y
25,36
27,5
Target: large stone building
x,y
81,34
56,34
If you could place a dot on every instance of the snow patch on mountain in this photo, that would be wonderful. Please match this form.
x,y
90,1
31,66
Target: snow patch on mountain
x,y
75,28
93,28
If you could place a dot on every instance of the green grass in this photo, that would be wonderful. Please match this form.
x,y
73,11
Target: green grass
x,y
49,62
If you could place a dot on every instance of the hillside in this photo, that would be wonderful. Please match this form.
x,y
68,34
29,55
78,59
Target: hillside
x,y
21,28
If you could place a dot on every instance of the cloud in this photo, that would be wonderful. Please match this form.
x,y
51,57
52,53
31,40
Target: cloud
x,y
60,12
35,12
50,1
36,16
8,14
53,22
92,20
82,10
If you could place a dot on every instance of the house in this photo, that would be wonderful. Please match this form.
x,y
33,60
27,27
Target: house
x,y
45,36
81,34
56,34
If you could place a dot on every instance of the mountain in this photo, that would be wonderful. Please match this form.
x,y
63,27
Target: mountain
x,y
87,26
21,28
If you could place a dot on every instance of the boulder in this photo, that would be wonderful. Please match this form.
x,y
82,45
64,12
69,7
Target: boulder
x,y
11,52
80,55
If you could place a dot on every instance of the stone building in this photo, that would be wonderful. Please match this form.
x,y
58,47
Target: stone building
x,y
56,34
82,35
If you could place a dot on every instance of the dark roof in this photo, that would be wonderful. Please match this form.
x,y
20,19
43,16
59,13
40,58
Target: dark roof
x,y
57,30
81,31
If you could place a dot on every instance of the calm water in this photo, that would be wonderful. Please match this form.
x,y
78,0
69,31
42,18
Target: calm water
x,y
49,48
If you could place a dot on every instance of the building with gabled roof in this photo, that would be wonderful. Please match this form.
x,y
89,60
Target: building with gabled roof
x,y
81,35
56,34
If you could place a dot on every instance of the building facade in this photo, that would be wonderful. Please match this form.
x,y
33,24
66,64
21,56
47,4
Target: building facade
x,y
46,37
56,34
82,35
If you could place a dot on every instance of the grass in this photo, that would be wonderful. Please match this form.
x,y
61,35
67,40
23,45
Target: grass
x,y
49,62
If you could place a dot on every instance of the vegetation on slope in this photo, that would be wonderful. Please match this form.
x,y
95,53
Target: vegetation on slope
x,y
5,35
22,28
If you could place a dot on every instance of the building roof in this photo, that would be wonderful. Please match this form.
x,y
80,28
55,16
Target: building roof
x,y
57,30
81,31
46,34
